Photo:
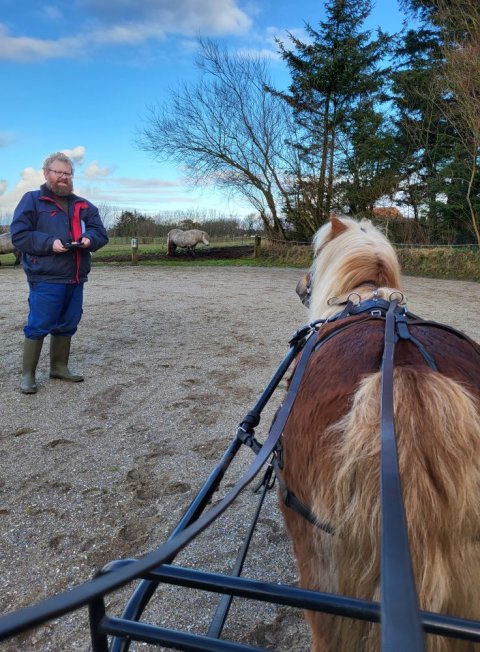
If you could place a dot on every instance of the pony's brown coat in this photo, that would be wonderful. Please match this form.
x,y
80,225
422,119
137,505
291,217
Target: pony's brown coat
x,y
331,447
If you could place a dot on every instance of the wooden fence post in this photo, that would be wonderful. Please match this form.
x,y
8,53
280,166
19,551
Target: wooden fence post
x,y
134,251
256,246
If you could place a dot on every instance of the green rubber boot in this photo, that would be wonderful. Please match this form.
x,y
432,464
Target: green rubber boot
x,y
59,354
31,354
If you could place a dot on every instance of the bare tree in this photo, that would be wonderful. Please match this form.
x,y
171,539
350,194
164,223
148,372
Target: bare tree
x,y
228,131
5,219
109,214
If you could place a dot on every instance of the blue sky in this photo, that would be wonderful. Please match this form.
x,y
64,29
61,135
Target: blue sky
x,y
78,75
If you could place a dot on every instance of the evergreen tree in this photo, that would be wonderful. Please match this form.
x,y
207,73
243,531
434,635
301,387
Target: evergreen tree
x,y
369,166
422,132
438,106
134,224
333,76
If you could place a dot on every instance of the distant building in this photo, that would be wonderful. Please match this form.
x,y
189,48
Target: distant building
x,y
388,213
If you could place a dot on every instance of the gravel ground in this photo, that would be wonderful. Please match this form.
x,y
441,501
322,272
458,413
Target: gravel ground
x,y
101,470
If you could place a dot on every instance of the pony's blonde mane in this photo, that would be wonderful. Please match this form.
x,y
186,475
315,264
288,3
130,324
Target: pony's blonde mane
x,y
350,256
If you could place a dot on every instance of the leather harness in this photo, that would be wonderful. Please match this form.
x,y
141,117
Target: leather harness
x,y
397,321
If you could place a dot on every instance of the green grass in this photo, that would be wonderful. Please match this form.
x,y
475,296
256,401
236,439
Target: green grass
x,y
115,250
7,259
191,262
456,264
120,254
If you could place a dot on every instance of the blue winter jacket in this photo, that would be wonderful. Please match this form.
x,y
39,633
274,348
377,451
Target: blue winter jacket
x,y
39,219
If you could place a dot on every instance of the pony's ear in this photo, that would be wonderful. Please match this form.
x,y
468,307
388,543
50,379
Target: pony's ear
x,y
337,225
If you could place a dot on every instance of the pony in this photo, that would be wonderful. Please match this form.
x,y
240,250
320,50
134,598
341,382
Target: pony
x,y
331,446
189,239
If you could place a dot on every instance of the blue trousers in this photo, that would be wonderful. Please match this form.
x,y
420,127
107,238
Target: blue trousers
x,y
55,308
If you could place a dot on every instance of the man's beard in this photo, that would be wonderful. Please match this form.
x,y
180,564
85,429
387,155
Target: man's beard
x,y
61,189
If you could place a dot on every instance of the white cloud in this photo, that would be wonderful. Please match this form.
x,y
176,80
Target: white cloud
x,y
283,35
145,184
267,40
95,170
25,48
77,154
172,16
95,184
29,179
110,22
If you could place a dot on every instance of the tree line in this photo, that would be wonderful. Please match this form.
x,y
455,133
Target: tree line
x,y
131,223
366,119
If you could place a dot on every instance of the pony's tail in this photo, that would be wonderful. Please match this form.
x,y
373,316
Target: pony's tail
x,y
438,436
170,247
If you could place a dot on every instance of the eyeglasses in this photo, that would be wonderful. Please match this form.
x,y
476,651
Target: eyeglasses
x,y
59,173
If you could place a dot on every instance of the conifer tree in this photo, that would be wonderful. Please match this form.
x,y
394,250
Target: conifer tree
x,y
438,103
333,75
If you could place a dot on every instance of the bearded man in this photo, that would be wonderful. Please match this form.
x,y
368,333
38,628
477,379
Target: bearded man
x,y
56,231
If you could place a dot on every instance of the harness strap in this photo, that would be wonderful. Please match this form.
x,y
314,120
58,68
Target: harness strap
x,y
340,330
291,500
404,334
245,434
401,626
449,329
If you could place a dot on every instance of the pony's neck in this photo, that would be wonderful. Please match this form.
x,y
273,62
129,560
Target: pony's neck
x,y
323,307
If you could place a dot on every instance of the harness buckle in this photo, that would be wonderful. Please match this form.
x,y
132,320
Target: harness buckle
x,y
401,327
278,453
248,438
376,313
267,481
300,334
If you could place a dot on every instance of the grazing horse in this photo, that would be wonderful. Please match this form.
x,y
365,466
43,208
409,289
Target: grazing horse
x,y
189,239
331,445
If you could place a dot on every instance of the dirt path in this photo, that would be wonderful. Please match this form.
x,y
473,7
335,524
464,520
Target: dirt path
x,y
173,360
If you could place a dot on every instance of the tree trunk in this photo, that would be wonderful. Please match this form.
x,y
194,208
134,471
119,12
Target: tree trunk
x,y
473,214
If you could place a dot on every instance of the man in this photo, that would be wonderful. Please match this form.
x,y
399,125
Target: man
x,y
55,230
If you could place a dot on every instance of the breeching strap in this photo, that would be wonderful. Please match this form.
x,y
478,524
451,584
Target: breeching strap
x,y
400,618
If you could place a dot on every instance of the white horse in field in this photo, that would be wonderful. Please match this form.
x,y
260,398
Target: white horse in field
x,y
188,239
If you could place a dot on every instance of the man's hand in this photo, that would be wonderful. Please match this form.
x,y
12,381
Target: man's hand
x,y
58,247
